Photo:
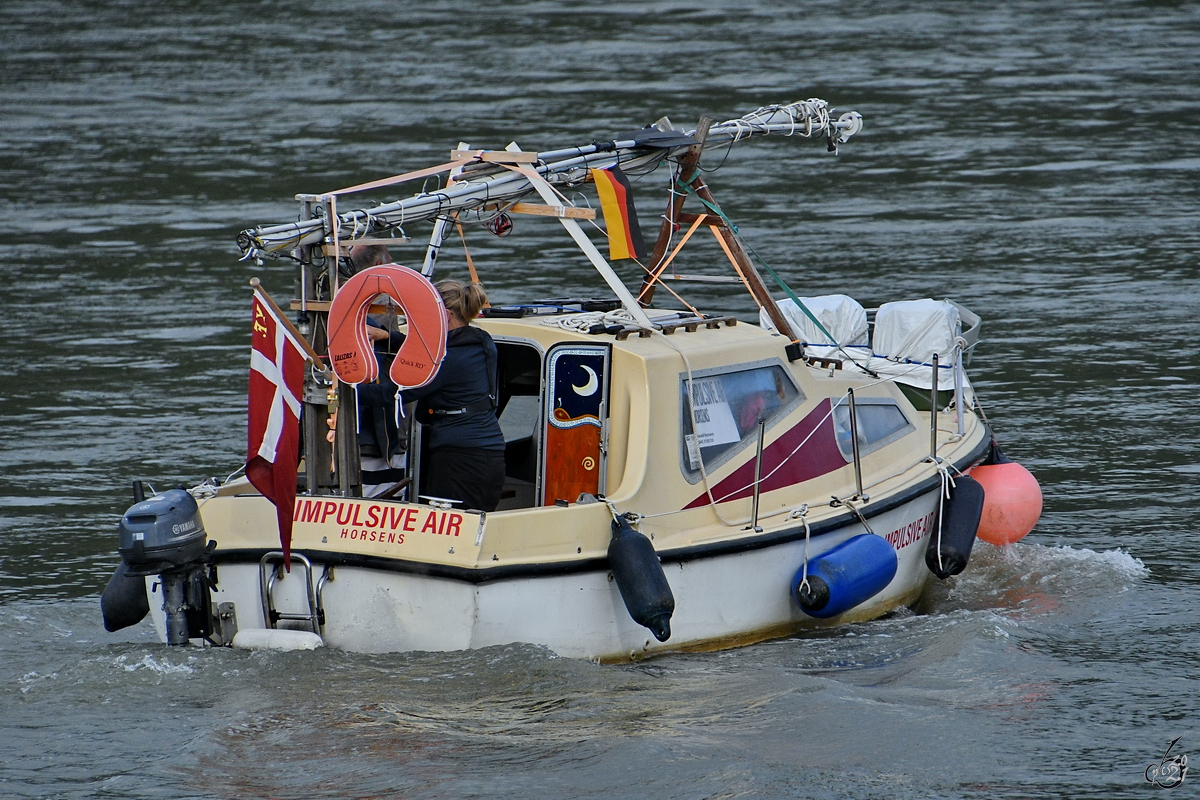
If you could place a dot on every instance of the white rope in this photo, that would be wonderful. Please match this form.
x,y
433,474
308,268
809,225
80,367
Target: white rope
x,y
848,504
208,487
699,452
814,112
838,501
583,322
788,457
632,517
802,514
943,496
204,490
229,477
714,500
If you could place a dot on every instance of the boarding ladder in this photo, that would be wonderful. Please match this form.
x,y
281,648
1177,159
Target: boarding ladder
x,y
271,572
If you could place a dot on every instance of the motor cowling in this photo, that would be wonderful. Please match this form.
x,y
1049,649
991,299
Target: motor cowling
x,y
162,534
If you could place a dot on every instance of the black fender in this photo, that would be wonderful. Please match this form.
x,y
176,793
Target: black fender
x,y
639,576
958,523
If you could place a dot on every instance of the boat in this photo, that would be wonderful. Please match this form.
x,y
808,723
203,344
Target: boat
x,y
676,480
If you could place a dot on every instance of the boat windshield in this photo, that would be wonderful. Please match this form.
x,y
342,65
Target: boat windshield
x,y
722,411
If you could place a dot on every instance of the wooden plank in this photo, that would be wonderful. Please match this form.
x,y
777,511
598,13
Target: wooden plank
x,y
651,278
408,176
589,249
823,363
322,306
310,305
494,156
687,218
570,212
701,278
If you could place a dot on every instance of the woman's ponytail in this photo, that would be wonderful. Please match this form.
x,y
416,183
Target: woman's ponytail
x,y
463,300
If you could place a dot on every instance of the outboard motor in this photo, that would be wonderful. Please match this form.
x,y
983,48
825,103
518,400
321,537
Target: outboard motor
x,y
164,536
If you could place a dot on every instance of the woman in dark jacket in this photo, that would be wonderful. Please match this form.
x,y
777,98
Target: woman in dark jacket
x,y
466,446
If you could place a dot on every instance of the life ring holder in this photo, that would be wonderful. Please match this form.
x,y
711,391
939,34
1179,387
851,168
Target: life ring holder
x,y
351,353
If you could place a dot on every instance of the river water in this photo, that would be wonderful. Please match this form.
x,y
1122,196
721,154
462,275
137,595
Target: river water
x,y
1037,162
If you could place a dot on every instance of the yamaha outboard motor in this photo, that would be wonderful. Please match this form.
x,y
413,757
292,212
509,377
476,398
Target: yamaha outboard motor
x,y
164,536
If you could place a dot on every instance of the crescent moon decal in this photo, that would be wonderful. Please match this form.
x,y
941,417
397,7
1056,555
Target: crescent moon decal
x,y
589,388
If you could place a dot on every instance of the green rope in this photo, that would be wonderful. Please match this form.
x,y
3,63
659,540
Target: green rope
x,y
782,284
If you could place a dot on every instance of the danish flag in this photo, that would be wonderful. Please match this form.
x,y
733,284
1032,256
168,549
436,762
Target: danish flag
x,y
276,382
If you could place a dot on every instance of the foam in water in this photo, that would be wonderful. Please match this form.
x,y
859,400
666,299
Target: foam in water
x,y
1038,579
154,665
1041,558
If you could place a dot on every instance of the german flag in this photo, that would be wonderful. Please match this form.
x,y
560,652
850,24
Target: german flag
x,y
620,217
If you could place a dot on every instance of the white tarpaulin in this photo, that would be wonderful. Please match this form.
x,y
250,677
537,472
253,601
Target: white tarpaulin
x,y
842,316
907,334
913,330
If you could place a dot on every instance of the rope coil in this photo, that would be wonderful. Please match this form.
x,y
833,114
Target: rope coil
x,y
585,321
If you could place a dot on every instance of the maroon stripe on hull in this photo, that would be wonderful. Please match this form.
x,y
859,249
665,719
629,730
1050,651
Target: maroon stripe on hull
x,y
819,456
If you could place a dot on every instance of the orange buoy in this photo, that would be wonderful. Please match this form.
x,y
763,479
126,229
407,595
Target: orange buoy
x,y
1012,501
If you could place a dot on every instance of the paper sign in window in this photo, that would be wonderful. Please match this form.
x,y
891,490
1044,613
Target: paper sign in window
x,y
712,416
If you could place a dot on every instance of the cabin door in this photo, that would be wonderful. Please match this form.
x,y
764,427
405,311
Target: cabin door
x,y
575,445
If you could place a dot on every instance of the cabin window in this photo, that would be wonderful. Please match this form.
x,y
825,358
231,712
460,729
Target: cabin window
x,y
880,422
722,410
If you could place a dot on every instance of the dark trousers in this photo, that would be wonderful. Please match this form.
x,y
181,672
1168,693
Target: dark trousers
x,y
473,476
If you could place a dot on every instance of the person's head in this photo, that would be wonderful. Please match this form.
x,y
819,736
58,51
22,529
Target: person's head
x,y
362,256
462,300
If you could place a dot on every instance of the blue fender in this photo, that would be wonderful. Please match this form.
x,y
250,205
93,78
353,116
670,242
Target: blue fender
x,y
845,576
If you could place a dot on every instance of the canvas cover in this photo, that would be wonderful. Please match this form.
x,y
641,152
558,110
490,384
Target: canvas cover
x,y
842,316
913,330
907,334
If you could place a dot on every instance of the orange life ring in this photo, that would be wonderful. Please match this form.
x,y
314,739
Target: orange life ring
x,y
350,351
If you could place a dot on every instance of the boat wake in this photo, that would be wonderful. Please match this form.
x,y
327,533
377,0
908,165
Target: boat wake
x,y
1034,579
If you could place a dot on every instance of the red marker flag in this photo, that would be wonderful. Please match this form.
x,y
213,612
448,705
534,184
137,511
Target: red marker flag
x,y
276,385
620,217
